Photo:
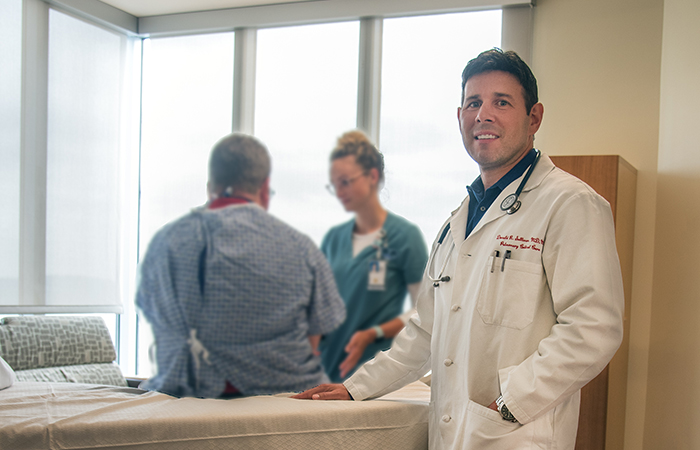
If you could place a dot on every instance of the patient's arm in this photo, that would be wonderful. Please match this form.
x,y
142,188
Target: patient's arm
x,y
326,392
315,340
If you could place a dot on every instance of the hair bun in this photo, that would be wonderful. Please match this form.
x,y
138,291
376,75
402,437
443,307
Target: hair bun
x,y
356,143
353,137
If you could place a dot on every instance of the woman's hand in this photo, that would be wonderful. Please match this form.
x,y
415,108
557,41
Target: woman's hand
x,y
355,348
325,392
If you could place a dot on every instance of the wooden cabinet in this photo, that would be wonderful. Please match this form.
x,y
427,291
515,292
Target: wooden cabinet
x,y
603,400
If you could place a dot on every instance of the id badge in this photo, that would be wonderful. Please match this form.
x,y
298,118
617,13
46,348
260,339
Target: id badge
x,y
377,275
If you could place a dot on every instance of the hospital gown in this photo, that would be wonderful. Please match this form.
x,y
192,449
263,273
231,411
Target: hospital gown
x,y
232,295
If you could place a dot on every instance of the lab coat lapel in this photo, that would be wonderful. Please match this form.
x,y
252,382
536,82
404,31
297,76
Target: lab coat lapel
x,y
458,223
544,166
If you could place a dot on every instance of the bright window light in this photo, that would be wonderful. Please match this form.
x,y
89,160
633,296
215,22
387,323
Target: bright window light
x,y
427,167
10,107
187,107
306,97
83,163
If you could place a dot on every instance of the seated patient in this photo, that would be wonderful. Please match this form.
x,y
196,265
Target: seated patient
x,y
237,299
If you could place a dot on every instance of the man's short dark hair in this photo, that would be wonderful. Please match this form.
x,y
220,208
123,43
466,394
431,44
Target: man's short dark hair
x,y
510,62
239,162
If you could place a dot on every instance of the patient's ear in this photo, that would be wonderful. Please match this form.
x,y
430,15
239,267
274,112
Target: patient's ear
x,y
264,194
7,375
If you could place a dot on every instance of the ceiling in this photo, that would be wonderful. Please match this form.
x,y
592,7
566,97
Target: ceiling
x,y
142,8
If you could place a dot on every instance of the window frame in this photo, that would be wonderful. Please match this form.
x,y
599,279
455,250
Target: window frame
x,y
516,35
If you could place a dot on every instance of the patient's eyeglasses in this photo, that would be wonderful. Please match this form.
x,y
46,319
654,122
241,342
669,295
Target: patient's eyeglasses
x,y
343,183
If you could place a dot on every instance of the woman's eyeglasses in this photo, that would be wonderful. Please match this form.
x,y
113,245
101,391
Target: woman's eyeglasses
x,y
343,183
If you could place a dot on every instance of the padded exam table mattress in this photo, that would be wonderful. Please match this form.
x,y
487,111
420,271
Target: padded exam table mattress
x,y
37,415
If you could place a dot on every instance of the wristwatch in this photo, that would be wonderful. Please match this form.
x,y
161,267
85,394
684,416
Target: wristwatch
x,y
503,409
378,330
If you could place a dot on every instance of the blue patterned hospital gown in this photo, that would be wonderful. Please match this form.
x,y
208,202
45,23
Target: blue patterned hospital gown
x,y
233,294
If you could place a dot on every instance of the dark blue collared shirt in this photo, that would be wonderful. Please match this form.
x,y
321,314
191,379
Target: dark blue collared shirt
x,y
480,201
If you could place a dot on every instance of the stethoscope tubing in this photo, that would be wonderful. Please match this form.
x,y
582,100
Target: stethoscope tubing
x,y
510,205
440,277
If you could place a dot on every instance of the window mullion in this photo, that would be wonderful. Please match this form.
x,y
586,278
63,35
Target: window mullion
x,y
244,80
370,77
33,159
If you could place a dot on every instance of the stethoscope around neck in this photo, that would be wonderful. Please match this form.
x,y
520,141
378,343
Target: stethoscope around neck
x,y
510,205
440,277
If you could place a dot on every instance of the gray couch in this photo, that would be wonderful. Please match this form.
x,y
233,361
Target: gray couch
x,y
74,349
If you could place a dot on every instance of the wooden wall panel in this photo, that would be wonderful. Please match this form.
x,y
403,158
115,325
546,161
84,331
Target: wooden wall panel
x,y
603,400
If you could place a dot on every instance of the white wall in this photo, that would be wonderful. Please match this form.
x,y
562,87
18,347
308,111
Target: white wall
x,y
673,397
598,67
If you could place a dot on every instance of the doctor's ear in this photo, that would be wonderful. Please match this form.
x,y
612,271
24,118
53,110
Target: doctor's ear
x,y
536,115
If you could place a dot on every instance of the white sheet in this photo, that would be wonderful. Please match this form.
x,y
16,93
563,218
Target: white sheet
x,y
7,375
75,416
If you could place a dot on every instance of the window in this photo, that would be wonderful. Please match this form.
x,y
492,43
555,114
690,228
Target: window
x,y
306,97
67,189
85,163
10,106
427,167
128,138
187,107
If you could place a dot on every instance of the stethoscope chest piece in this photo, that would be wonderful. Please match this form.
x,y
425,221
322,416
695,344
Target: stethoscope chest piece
x,y
510,204
510,208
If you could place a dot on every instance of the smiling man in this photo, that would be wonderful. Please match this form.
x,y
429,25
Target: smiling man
x,y
498,124
522,302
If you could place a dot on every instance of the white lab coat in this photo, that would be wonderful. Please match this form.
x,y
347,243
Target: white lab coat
x,y
535,327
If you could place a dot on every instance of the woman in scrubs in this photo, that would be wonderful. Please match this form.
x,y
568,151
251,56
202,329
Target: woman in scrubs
x,y
376,257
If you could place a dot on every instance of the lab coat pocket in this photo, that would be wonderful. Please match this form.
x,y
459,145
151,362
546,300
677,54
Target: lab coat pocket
x,y
485,429
510,292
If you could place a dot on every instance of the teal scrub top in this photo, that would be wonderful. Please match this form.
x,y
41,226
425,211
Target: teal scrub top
x,y
404,250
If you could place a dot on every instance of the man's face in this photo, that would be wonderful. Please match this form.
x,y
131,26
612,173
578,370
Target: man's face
x,y
495,125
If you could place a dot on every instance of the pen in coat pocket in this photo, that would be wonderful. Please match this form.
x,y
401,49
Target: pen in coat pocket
x,y
493,261
503,263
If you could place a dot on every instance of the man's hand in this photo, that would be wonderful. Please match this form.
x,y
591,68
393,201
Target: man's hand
x,y
325,392
355,348
494,406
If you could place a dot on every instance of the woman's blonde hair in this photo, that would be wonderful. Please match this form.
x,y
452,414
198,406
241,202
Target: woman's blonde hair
x,y
356,143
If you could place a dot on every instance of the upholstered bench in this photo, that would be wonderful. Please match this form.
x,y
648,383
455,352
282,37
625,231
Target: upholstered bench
x,y
74,349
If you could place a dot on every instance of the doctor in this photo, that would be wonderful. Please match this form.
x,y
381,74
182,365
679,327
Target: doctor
x,y
522,298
